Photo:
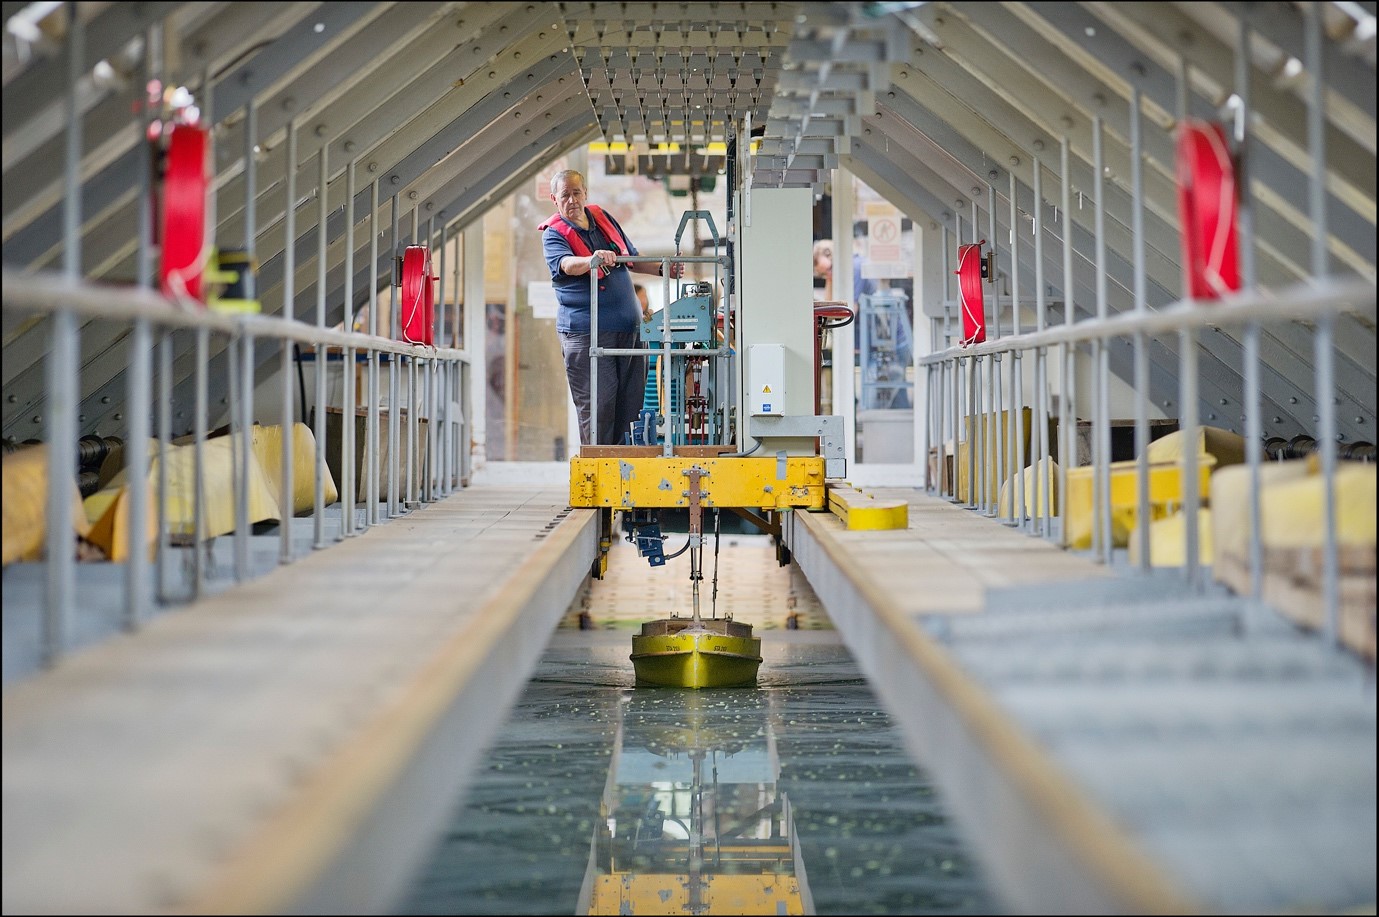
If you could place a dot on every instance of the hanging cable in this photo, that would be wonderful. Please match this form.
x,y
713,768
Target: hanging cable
x,y
713,599
679,552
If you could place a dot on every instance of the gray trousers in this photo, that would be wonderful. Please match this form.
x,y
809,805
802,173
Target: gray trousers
x,y
621,388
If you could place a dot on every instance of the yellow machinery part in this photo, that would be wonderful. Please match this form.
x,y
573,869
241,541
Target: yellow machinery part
x,y
266,444
108,508
110,529
1048,490
1293,515
1230,488
25,499
1226,447
863,512
667,893
1293,533
1168,540
1165,491
641,482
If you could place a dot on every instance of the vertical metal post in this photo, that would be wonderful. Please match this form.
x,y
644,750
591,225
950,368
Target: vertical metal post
x,y
947,293
243,400
371,434
394,418
322,355
347,484
139,393
594,366
446,367
200,543
994,366
957,420
164,554
1188,392
410,490
428,487
928,485
246,435
1141,369
980,483
1016,425
1324,340
973,439
239,469
1254,426
251,143
1067,402
1102,542
941,410
61,371
1039,428
287,499
1188,395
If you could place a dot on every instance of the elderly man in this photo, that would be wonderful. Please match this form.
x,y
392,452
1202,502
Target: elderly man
x,y
581,237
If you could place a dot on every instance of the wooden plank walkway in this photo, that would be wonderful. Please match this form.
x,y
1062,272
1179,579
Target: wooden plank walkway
x,y
295,742
1110,742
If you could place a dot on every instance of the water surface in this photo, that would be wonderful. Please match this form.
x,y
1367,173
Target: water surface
x,y
810,743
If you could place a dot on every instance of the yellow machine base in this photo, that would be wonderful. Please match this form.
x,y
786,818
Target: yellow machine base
x,y
673,653
639,480
863,512
717,894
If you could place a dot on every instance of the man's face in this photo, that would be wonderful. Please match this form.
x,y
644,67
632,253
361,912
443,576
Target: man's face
x,y
569,199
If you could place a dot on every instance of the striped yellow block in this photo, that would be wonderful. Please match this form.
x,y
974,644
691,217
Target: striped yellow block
x,y
863,512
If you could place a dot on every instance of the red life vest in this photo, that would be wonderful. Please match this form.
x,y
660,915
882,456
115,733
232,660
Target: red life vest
x,y
576,241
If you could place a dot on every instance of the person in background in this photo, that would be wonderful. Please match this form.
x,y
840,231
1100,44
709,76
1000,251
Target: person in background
x,y
823,272
579,238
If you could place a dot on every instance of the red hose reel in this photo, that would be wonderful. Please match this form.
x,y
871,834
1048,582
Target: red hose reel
x,y
183,234
418,307
970,293
1207,202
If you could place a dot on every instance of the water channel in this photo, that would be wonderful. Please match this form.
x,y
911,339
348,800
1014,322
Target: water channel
x,y
793,796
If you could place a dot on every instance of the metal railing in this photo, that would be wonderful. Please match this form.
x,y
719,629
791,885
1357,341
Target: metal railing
x,y
958,394
437,379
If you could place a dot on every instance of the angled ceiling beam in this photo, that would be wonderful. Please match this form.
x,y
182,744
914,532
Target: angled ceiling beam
x,y
955,94
1277,183
39,244
1220,380
913,187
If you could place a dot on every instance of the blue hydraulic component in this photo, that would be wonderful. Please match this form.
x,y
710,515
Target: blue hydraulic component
x,y
644,428
644,530
691,317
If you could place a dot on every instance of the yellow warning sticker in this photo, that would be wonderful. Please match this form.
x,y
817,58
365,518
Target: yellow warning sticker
x,y
766,389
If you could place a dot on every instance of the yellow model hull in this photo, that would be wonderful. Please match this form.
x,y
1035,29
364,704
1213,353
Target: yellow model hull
x,y
696,657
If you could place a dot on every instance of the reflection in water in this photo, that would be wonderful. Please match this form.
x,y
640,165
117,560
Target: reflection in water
x,y
692,820
813,785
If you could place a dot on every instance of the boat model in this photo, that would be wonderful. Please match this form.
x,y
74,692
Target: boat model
x,y
695,652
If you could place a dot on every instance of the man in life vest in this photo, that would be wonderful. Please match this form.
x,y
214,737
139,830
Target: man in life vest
x,y
579,238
